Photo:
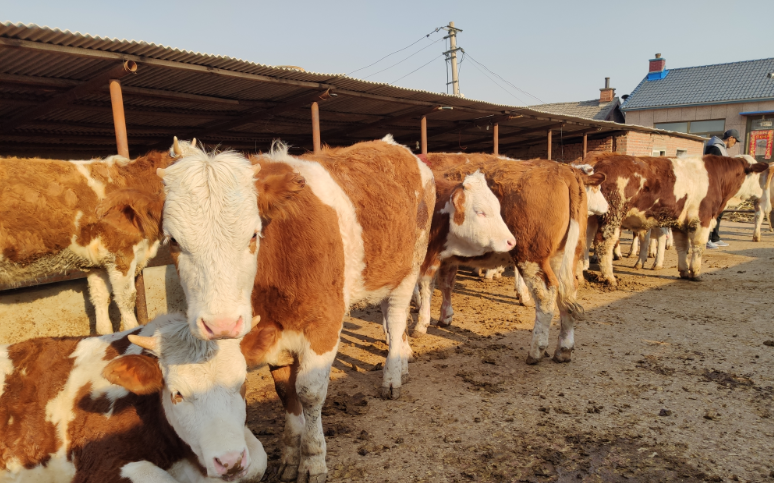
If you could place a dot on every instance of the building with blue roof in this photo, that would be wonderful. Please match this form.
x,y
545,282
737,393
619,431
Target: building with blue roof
x,y
708,100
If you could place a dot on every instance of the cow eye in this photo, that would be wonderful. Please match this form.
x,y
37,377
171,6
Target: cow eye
x,y
177,397
172,241
481,214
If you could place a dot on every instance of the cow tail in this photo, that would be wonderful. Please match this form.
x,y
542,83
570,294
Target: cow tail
x,y
567,286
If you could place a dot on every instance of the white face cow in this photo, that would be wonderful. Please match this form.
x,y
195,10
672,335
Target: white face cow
x,y
201,385
476,225
212,224
597,204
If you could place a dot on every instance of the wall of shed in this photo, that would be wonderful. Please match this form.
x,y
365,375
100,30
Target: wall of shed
x,y
64,309
632,143
729,112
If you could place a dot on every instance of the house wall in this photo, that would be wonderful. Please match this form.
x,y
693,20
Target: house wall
x,y
729,112
632,143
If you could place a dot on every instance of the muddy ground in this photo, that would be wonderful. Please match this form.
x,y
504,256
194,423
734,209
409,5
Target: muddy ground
x,y
670,381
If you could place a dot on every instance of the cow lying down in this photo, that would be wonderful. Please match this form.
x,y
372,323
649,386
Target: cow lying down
x,y
153,404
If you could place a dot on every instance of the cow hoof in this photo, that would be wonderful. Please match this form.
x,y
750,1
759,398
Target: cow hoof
x,y
527,303
684,275
404,379
445,322
695,278
390,393
638,265
532,361
658,267
416,333
611,282
756,238
307,478
288,473
562,355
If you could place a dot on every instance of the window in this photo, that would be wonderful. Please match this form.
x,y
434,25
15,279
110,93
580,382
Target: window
x,y
659,152
682,152
709,128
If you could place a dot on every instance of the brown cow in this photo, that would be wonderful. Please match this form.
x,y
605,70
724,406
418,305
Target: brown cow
x,y
59,216
102,409
544,205
686,194
298,246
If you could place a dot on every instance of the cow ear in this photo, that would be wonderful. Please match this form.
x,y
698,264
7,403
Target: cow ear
x,y
257,343
594,179
756,168
277,195
138,374
133,212
458,201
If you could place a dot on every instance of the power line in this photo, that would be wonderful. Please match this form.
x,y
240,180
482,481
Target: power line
x,y
498,85
421,66
504,80
401,50
401,61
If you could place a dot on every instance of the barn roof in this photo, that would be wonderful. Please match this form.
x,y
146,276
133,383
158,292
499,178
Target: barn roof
x,y
49,107
750,80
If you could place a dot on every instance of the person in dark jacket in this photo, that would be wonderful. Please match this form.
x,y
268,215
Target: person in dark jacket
x,y
719,147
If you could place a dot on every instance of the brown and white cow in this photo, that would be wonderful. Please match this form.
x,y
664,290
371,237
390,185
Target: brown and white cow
x,y
686,194
152,404
99,216
299,245
544,204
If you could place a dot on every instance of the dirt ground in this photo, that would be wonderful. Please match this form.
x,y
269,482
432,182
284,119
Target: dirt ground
x,y
671,380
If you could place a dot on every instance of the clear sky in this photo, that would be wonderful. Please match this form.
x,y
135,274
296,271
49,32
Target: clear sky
x,y
554,50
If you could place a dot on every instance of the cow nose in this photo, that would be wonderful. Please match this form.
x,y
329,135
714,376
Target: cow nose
x,y
231,463
511,242
223,327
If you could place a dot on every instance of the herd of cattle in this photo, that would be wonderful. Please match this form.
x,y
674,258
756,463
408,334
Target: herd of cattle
x,y
271,252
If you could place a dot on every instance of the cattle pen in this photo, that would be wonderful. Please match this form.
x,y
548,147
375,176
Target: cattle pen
x,y
672,380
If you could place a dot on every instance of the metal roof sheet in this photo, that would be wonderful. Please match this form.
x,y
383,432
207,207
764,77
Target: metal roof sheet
x,y
178,92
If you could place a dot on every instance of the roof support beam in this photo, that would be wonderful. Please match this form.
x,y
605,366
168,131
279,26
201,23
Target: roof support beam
x,y
101,80
381,122
522,132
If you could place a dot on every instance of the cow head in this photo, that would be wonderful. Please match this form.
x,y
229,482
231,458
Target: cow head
x,y
757,182
213,227
476,225
597,204
201,386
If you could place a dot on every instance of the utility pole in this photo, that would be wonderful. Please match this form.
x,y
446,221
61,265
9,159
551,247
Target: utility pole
x,y
451,54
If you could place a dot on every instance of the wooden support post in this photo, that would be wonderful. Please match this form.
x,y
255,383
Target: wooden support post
x,y
423,128
549,145
316,127
585,144
122,144
496,129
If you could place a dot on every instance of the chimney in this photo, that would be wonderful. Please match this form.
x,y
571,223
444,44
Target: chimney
x,y
657,68
607,93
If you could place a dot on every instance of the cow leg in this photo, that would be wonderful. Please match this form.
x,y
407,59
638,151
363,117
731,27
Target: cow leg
x,y
634,249
644,237
545,305
655,233
446,277
99,294
758,221
670,241
605,253
257,457
568,310
312,386
425,296
521,288
124,294
394,314
591,232
617,255
681,245
660,240
698,239
144,472
285,384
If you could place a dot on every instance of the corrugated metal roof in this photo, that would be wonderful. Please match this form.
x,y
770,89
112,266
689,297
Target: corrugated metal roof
x,y
179,92
592,109
707,84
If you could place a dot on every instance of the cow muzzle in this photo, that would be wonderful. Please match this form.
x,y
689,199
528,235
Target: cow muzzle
x,y
221,327
231,466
